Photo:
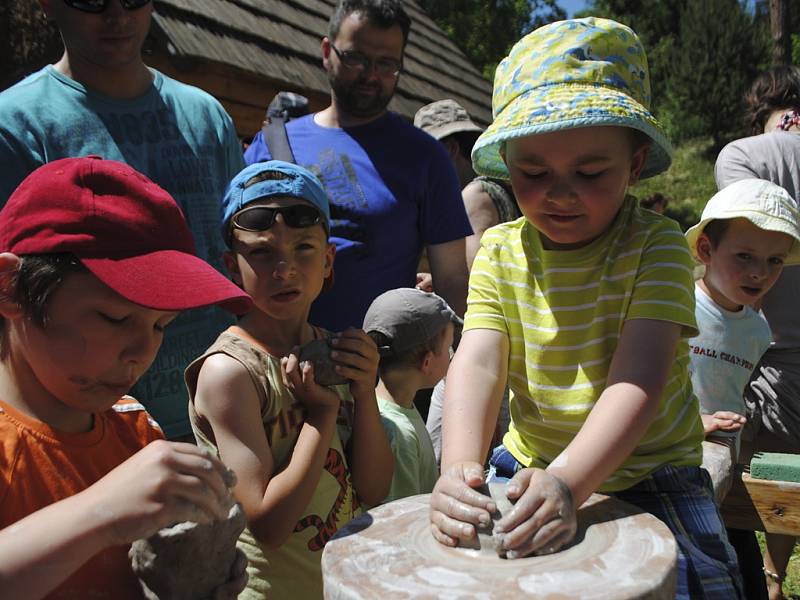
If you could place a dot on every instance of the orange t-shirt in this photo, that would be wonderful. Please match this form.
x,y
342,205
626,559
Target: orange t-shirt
x,y
40,465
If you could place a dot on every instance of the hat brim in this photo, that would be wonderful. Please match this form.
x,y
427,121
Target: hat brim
x,y
169,280
693,233
551,108
442,131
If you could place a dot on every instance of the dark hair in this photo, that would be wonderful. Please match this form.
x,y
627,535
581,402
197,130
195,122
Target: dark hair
x,y
715,229
465,140
379,13
653,199
776,88
409,358
33,284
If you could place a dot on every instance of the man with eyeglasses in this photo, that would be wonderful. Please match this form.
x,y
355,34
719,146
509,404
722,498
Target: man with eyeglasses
x,y
100,98
393,189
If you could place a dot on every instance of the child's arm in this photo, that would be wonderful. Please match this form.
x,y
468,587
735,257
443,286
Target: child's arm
x,y
543,518
370,457
272,501
473,393
162,484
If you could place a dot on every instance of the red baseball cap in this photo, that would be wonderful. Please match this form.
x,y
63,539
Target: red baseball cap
x,y
124,228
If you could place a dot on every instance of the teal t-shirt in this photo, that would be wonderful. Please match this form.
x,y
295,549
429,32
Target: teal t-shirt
x,y
415,470
177,135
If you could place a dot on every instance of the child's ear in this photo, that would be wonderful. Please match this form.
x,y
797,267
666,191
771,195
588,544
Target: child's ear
x,y
330,255
425,362
637,162
9,265
229,258
704,248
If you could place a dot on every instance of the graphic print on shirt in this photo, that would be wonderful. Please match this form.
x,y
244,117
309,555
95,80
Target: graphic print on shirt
x,y
719,355
334,464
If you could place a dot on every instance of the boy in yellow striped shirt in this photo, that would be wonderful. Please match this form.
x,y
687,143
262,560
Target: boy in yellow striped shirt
x,y
584,307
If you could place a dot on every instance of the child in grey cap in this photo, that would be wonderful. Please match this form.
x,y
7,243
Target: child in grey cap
x,y
414,331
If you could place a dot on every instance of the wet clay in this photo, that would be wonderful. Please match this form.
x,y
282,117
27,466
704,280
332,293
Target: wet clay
x,y
319,353
489,540
188,561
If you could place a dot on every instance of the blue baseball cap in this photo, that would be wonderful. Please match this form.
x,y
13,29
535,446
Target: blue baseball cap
x,y
270,179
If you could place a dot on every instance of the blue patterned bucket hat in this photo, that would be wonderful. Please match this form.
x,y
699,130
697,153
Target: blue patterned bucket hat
x,y
569,74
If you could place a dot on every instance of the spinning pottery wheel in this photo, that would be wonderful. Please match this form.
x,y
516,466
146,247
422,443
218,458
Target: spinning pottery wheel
x,y
389,553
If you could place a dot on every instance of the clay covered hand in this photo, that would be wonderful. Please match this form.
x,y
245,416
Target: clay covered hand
x,y
458,508
190,560
544,517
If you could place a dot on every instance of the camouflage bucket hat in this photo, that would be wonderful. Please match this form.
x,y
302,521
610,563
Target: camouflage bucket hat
x,y
569,74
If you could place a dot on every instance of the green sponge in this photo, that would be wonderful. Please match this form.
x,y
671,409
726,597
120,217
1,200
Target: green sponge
x,y
775,466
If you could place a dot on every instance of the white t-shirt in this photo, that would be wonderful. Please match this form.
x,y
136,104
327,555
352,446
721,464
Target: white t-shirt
x,y
724,354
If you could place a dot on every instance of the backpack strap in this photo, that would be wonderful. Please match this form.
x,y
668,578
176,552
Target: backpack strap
x,y
277,141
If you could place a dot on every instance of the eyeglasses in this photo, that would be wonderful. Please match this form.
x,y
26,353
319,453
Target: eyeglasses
x,y
98,6
261,218
357,61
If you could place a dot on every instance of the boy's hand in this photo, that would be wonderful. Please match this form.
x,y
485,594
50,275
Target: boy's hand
x,y
543,518
457,508
162,484
299,378
722,420
357,359
231,589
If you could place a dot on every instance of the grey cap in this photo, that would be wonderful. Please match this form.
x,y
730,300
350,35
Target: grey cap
x,y
408,317
443,118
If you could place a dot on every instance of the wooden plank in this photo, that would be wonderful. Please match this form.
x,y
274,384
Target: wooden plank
x,y
777,504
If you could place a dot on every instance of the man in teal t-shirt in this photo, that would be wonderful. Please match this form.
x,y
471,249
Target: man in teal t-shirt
x,y
100,98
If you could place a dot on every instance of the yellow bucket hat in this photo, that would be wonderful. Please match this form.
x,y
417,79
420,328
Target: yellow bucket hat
x,y
568,74
765,204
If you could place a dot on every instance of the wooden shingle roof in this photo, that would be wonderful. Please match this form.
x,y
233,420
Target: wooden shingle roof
x,y
279,41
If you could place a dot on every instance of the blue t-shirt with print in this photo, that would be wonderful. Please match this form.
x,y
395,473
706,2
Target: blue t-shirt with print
x,y
393,190
177,135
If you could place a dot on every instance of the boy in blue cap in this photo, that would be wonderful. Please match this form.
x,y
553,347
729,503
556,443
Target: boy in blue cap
x,y
584,307
305,456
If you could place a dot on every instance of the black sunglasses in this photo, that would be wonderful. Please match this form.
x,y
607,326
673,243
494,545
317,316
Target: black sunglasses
x,y
357,61
261,218
98,6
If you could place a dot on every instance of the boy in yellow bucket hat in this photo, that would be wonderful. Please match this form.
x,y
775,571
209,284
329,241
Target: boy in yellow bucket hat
x,y
584,307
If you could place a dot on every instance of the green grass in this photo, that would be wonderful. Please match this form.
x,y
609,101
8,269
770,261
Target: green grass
x,y
688,184
791,585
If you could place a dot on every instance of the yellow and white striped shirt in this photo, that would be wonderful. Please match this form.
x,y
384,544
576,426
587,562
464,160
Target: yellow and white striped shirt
x,y
563,312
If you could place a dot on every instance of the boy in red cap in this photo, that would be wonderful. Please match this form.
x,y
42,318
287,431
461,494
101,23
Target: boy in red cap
x,y
95,261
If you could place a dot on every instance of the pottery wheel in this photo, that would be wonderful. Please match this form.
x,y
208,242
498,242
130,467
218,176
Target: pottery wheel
x,y
619,553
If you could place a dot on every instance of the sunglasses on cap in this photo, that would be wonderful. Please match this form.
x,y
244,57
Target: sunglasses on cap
x,y
98,6
261,218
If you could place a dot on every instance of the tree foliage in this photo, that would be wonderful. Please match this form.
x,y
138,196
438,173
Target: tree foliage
x,y
702,56
485,30
27,40
716,57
